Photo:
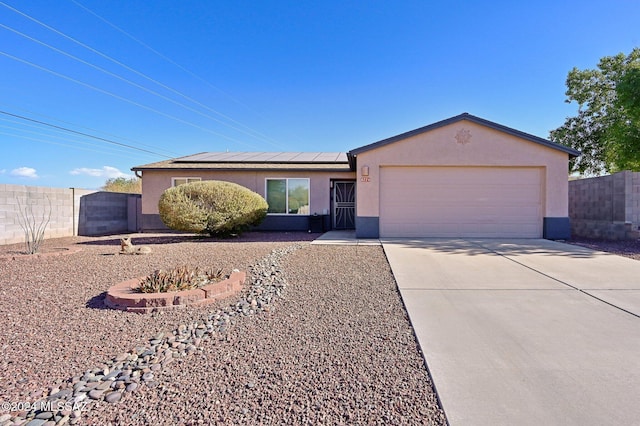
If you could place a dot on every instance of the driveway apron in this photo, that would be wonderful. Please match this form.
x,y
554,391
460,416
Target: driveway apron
x,y
524,332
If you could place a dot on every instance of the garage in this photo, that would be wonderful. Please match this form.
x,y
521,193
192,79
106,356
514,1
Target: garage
x,y
462,177
488,202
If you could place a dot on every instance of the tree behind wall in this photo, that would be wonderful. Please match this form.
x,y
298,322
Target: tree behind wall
x,y
132,186
607,127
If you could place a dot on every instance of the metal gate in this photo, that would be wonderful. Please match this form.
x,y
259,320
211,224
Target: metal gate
x,y
344,205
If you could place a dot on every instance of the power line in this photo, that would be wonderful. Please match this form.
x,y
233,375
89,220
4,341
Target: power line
x,y
105,56
53,135
174,154
166,58
191,73
82,134
106,92
61,144
132,83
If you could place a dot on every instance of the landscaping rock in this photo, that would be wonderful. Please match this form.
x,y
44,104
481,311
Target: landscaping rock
x,y
113,397
323,356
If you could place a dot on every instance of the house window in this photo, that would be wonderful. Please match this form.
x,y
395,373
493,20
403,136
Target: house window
x,y
183,180
288,196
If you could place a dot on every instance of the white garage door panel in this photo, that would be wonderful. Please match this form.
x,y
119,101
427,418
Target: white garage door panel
x,y
460,202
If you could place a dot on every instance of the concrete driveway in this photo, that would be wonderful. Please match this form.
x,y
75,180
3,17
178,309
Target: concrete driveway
x,y
524,332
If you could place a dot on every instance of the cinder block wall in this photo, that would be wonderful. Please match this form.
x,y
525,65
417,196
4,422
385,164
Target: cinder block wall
x,y
606,206
73,211
103,213
16,201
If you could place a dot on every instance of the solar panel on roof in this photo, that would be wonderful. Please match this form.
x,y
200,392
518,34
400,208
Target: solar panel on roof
x,y
265,157
306,157
282,156
330,157
234,156
255,156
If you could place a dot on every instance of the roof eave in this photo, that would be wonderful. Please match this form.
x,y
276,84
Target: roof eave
x,y
464,116
346,168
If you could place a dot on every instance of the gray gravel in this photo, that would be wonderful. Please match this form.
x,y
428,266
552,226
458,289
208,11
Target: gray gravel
x,y
337,349
626,248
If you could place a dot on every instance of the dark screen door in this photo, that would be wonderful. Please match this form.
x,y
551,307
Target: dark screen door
x,y
344,205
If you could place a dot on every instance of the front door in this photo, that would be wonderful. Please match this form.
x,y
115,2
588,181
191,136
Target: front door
x,y
344,205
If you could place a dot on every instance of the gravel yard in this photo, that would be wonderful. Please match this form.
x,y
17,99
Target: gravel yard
x,y
337,349
626,248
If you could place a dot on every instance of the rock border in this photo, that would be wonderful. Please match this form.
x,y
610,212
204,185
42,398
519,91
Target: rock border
x,y
141,366
124,296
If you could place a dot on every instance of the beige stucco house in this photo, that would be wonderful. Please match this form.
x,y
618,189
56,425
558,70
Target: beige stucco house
x,y
460,177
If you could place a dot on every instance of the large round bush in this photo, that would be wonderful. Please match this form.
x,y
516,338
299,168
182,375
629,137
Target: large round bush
x,y
211,207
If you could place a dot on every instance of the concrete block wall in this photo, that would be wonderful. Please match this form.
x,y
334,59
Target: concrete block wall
x,y
102,213
73,211
606,207
16,201
633,201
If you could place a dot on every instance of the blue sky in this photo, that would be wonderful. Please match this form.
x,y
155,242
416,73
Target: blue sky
x,y
150,80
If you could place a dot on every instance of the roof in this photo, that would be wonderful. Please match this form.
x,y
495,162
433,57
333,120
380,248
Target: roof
x,y
302,161
265,157
464,116
322,161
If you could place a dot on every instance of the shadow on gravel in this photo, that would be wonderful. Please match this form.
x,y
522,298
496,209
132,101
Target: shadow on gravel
x,y
247,237
151,240
97,302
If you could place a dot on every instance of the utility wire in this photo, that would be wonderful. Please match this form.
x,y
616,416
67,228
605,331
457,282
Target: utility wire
x,y
106,92
174,154
105,56
62,144
191,73
132,83
52,135
82,134
171,61
166,58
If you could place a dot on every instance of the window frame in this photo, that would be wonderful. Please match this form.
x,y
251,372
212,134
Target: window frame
x,y
286,190
187,179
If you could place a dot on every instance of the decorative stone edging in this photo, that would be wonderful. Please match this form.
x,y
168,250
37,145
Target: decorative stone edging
x,y
126,297
129,372
62,251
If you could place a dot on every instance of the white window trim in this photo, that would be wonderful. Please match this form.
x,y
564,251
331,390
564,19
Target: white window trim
x,y
287,195
192,178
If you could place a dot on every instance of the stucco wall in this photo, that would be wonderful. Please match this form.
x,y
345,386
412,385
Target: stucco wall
x,y
606,206
486,147
155,182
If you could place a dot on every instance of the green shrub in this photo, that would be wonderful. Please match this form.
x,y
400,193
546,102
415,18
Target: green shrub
x,y
211,207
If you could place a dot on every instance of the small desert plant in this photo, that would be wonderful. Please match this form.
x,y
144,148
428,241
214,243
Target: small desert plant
x,y
32,225
178,279
211,207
